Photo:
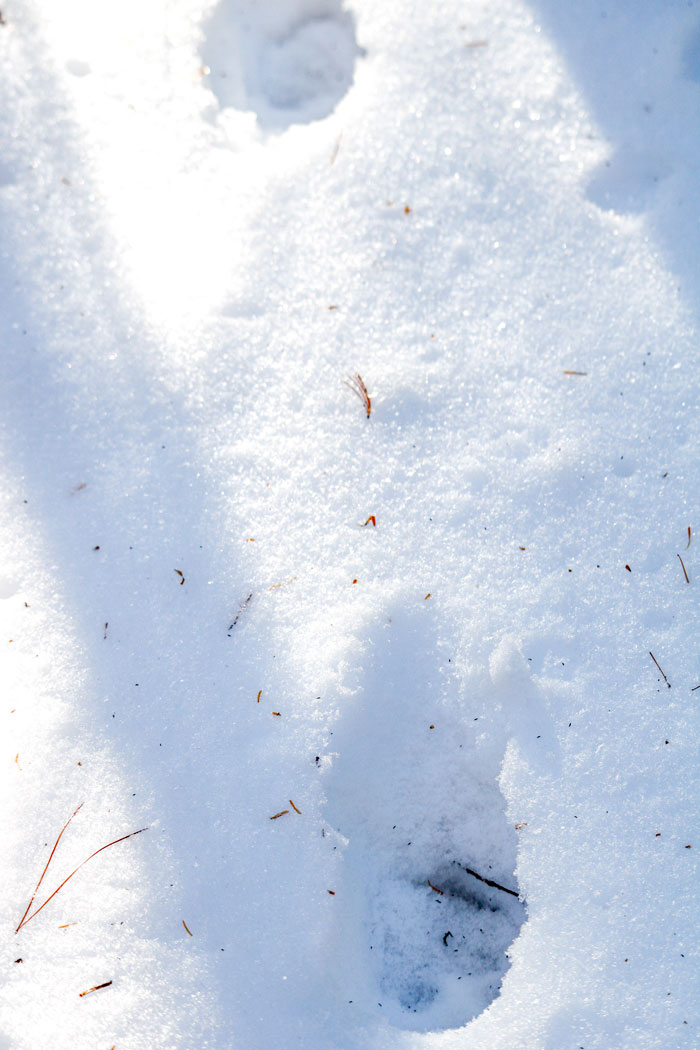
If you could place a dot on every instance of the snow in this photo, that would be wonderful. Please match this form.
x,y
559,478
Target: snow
x,y
212,214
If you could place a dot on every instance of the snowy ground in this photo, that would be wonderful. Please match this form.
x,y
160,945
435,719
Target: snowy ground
x,y
211,213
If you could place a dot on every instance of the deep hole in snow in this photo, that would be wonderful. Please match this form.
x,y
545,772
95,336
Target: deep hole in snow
x,y
288,63
432,935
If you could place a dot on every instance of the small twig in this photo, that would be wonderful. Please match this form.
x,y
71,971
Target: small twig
x,y
356,384
95,988
659,666
488,882
687,579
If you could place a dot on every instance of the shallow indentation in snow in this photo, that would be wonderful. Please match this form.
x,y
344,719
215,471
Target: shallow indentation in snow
x,y
289,63
628,181
78,68
8,587
432,934
692,57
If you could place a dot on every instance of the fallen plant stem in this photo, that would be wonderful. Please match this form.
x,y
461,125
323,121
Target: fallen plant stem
x,y
659,667
488,882
26,917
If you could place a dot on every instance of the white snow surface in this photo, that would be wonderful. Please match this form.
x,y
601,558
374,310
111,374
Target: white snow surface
x,y
211,214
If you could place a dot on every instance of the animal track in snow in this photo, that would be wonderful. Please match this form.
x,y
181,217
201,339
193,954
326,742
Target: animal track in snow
x,y
289,61
413,790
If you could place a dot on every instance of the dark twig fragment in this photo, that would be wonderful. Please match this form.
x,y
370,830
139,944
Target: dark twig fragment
x,y
659,666
488,882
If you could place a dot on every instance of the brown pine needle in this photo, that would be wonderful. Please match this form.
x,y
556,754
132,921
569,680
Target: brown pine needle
x,y
27,918
441,892
571,372
294,807
687,578
356,384
187,928
280,814
95,988
688,543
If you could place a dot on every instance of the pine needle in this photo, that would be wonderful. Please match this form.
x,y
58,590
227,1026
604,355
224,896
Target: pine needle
x,y
356,384
26,917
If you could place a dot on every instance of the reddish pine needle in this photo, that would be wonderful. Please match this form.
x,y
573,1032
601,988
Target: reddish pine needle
x,y
688,543
356,384
294,807
187,928
280,814
26,917
41,878
687,579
